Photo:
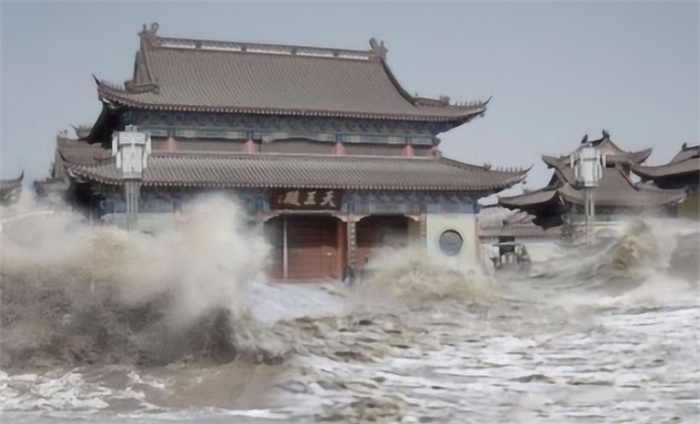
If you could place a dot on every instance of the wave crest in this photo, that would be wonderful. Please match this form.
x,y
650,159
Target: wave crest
x,y
73,293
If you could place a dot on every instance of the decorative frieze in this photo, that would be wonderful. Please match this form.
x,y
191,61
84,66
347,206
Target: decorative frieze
x,y
255,201
220,125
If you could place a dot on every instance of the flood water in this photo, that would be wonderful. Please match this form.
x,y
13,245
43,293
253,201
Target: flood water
x,y
604,336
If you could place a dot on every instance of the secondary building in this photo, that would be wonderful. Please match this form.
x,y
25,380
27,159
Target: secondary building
x,y
617,196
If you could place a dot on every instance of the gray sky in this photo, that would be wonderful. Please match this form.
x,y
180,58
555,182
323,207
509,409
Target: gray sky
x,y
555,70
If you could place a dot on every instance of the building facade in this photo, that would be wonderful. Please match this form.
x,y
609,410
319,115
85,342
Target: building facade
x,y
322,146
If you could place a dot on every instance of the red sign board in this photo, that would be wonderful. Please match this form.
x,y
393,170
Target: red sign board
x,y
306,199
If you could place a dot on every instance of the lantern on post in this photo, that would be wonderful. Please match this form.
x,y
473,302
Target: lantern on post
x,y
588,166
131,149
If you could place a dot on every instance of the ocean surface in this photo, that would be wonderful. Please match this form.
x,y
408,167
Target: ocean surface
x,y
103,326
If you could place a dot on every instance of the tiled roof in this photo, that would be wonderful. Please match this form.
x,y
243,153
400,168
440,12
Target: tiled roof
x,y
614,189
80,152
687,161
500,222
614,154
216,76
539,196
238,170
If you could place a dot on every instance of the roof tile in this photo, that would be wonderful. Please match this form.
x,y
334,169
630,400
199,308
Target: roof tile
x,y
237,170
207,76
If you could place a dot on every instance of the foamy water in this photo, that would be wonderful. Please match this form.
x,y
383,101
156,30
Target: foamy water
x,y
605,337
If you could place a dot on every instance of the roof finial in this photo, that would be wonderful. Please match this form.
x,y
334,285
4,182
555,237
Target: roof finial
x,y
684,146
585,139
606,134
378,49
149,33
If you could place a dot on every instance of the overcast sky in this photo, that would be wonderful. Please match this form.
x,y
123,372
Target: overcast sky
x,y
555,70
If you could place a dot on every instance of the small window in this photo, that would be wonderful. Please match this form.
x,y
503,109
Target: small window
x,y
451,243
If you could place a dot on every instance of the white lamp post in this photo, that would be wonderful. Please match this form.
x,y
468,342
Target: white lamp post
x,y
588,167
131,149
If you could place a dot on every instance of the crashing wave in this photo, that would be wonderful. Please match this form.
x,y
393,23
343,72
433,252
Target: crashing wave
x,y
79,294
412,277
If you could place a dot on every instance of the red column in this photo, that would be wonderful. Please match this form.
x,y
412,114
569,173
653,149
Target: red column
x,y
339,148
251,146
170,145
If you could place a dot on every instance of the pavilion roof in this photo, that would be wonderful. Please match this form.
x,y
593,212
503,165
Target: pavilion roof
x,y
614,189
179,74
614,154
243,170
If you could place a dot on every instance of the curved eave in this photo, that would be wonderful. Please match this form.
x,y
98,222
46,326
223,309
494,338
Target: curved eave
x,y
514,176
640,156
654,199
553,162
124,98
106,123
14,182
671,170
530,200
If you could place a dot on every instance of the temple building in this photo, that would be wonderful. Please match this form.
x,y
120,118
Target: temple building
x,y
322,146
616,197
10,190
681,173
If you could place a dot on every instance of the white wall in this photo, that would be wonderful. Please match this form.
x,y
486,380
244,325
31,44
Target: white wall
x,y
465,225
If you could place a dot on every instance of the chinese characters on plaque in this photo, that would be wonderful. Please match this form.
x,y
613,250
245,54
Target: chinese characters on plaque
x,y
306,199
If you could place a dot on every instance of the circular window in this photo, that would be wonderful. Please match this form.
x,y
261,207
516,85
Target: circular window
x,y
451,242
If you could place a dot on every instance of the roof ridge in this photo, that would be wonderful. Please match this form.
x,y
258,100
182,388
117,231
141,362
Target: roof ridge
x,y
149,35
209,153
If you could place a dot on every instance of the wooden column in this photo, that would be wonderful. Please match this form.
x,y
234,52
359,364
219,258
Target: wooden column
x,y
423,228
285,249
